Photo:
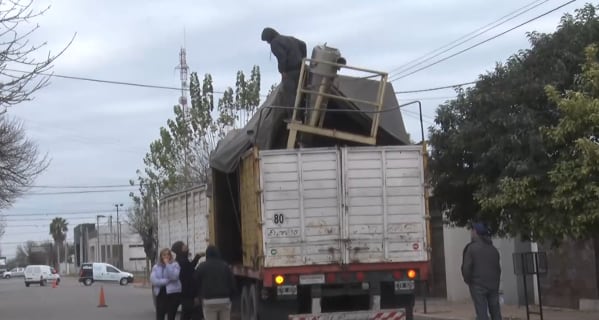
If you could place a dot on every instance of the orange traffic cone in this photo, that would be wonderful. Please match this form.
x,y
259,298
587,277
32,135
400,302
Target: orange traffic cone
x,y
102,303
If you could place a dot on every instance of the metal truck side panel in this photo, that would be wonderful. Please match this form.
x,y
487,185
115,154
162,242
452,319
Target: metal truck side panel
x,y
183,221
384,204
301,208
251,221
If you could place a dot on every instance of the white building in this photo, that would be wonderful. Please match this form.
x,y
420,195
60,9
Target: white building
x,y
131,258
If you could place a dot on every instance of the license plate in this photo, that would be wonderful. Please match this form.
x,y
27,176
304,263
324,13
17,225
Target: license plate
x,y
311,279
404,285
286,290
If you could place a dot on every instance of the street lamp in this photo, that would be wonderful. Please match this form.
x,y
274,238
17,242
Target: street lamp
x,y
98,224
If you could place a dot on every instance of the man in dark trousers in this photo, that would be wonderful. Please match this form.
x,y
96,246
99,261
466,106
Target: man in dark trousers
x,y
217,286
289,52
186,276
481,271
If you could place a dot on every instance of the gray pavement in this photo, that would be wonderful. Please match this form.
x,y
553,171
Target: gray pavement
x,y
72,301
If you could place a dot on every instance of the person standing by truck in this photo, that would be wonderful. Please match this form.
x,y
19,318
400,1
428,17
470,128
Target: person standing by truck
x,y
481,270
217,286
166,285
188,286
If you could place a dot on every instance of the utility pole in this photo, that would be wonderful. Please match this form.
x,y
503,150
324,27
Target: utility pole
x,y
98,253
111,241
118,233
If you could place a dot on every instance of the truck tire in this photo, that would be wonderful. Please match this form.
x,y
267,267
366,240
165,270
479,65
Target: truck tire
x,y
410,313
87,282
248,307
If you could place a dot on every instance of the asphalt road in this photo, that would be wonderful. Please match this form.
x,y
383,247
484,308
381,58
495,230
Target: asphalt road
x,y
71,300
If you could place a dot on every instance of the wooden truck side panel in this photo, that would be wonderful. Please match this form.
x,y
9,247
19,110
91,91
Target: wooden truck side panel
x,y
251,212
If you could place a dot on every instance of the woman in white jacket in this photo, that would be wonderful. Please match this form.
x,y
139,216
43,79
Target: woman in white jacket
x,y
166,285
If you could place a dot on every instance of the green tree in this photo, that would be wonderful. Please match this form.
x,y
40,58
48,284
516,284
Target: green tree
x,y
571,186
179,158
58,230
489,144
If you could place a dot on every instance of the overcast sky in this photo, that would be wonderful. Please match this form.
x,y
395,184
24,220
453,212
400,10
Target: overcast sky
x,y
97,134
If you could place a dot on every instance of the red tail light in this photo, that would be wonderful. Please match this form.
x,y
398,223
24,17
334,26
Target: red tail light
x,y
360,276
396,275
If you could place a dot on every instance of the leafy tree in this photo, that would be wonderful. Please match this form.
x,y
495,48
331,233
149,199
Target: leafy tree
x,y
179,158
180,155
143,215
58,230
572,206
489,144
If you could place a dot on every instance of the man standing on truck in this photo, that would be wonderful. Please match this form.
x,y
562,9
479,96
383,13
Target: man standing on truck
x,y
481,271
289,52
189,289
217,286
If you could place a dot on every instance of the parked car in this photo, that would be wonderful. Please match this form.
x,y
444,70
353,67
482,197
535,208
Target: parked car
x,y
2,271
14,272
41,275
103,272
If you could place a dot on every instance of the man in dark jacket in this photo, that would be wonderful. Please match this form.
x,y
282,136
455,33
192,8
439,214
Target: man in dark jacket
x,y
481,271
289,52
188,285
217,286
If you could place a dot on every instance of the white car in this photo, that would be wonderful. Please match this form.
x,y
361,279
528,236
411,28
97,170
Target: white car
x,y
14,272
103,272
40,274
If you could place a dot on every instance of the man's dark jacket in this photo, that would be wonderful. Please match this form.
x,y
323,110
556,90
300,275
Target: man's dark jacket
x,y
288,50
481,264
214,277
188,285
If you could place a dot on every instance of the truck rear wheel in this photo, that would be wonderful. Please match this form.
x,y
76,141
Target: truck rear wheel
x,y
249,302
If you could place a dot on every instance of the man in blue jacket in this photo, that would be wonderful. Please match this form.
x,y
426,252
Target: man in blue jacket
x,y
481,270
290,52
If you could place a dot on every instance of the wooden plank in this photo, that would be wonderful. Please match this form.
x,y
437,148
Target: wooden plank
x,y
294,127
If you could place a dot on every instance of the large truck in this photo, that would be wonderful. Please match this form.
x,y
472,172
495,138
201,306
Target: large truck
x,y
334,225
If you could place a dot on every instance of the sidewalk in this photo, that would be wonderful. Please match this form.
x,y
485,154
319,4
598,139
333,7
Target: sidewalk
x,y
440,309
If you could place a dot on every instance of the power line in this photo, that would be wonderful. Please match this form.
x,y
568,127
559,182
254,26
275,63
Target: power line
x,y
482,42
67,213
124,83
405,67
73,192
84,186
451,86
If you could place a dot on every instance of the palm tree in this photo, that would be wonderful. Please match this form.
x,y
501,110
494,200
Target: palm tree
x,y
58,231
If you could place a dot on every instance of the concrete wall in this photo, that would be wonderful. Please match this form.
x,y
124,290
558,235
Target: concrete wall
x,y
573,274
455,239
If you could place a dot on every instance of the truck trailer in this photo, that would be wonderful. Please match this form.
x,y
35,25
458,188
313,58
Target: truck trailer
x,y
323,233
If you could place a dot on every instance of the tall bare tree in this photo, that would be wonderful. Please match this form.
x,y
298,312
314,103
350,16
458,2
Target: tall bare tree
x,y
21,74
20,161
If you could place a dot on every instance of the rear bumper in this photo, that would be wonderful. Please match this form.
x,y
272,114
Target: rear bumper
x,y
390,314
337,274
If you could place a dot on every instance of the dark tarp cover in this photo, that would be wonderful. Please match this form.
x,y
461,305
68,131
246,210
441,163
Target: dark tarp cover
x,y
264,127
